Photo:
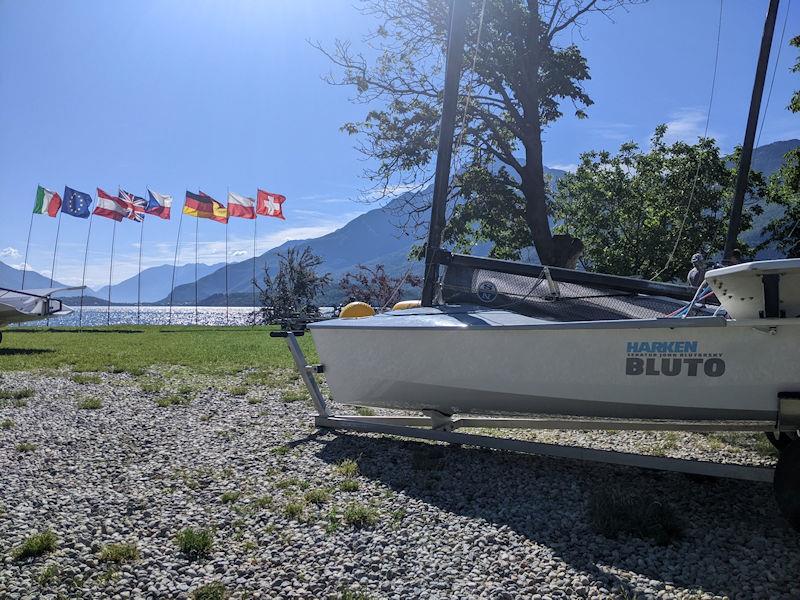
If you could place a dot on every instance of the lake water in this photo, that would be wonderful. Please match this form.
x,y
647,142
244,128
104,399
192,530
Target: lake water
x,y
211,316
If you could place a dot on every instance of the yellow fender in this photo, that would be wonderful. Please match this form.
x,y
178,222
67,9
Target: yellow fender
x,y
356,310
406,304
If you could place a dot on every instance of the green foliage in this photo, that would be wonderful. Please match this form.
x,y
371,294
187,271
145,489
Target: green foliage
x,y
295,395
347,468
526,69
48,575
119,553
295,509
631,209
195,543
19,394
215,590
794,102
375,287
25,447
230,496
291,294
349,485
615,511
36,545
6,424
317,496
90,403
83,379
360,515
173,400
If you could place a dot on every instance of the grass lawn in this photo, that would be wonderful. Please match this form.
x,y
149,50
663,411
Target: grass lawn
x,y
132,348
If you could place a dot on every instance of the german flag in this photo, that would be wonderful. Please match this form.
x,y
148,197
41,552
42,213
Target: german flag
x,y
204,206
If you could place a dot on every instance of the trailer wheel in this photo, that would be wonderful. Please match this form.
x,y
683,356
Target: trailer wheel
x,y
787,483
782,440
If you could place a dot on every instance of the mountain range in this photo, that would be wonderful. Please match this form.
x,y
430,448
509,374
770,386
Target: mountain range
x,y
371,238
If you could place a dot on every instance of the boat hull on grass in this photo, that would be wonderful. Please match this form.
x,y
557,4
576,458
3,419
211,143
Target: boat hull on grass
x,y
469,360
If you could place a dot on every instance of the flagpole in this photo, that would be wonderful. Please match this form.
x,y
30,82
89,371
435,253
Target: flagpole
x,y
55,251
174,266
139,279
85,257
226,259
110,271
196,233
27,246
255,228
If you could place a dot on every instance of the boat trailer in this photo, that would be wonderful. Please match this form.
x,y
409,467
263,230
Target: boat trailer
x,y
439,427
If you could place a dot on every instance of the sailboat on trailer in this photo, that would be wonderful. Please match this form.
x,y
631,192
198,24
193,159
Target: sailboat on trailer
x,y
506,338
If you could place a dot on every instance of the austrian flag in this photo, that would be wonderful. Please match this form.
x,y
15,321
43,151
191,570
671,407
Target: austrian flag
x,y
110,206
241,206
270,205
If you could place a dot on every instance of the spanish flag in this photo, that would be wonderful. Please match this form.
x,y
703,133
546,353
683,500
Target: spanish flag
x,y
204,206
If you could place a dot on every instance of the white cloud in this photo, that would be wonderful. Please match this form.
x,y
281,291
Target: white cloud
x,y
9,252
617,132
571,167
687,125
22,266
239,253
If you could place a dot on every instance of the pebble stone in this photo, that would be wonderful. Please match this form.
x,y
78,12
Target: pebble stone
x,y
452,522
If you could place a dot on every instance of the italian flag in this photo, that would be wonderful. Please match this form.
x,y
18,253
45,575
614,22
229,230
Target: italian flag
x,y
47,202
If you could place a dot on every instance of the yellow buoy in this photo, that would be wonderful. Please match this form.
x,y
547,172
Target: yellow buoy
x,y
356,310
405,304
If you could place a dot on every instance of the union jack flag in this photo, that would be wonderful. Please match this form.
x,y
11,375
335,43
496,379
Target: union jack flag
x,y
136,205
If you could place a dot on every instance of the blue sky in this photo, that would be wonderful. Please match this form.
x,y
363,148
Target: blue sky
x,y
183,94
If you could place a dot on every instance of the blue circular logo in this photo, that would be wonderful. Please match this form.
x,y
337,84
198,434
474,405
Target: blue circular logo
x,y
487,291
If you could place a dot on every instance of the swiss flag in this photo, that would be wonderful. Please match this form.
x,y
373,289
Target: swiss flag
x,y
269,204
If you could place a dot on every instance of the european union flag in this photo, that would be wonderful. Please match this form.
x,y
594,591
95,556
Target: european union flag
x,y
76,203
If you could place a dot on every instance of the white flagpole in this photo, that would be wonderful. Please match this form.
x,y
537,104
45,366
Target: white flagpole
x,y
196,234
110,271
174,266
139,279
85,257
227,199
55,251
255,228
27,246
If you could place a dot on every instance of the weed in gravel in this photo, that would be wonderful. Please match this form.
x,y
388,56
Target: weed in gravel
x,y
289,482
399,514
360,515
84,378
90,404
615,511
262,502
172,400
185,389
349,485
36,545
365,411
230,496
280,450
16,394
333,521
249,546
119,553
151,386
215,590
48,575
6,424
347,468
25,447
195,543
238,390
295,395
348,594
317,496
254,400
295,509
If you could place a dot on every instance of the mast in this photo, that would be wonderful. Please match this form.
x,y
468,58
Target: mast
x,y
750,131
454,61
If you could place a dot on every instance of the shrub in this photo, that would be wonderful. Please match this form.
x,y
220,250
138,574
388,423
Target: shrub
x,y
36,545
615,511
215,590
89,404
195,543
119,553
359,515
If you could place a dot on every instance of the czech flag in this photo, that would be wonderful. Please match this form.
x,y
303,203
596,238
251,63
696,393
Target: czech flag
x,y
241,206
270,205
110,206
158,204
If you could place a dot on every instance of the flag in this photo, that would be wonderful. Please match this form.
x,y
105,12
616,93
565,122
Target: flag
x,y
204,206
76,203
241,206
47,202
158,204
270,205
110,206
135,204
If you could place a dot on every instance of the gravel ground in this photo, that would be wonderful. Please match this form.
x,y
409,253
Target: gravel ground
x,y
435,521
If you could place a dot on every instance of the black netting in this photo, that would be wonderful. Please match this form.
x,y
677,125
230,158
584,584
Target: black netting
x,y
548,299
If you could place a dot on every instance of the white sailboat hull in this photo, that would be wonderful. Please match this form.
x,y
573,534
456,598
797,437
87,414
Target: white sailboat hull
x,y
494,362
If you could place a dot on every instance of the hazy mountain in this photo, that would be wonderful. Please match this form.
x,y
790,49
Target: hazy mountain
x,y
12,278
156,282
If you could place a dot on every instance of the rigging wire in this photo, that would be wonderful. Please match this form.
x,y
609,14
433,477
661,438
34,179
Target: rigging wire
x,y
774,71
699,159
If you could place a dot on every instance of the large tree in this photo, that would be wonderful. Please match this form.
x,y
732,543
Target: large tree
x,y
519,74
645,212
